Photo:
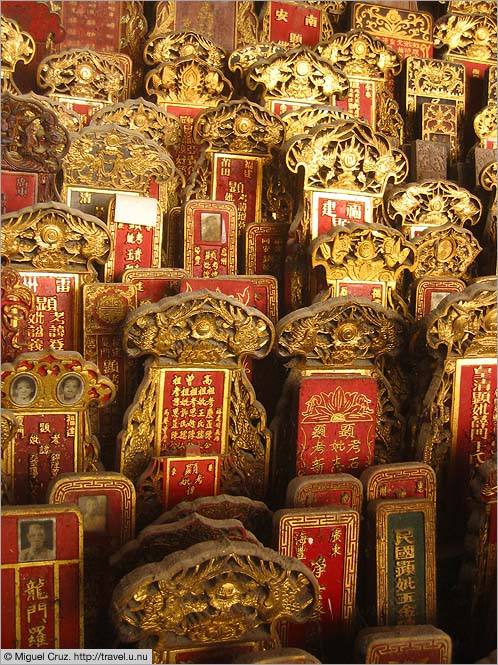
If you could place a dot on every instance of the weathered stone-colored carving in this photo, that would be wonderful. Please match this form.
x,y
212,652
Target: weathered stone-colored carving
x,y
32,138
158,540
254,515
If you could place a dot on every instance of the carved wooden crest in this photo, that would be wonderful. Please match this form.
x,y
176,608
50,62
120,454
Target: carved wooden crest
x,y
143,116
346,156
297,75
198,327
17,46
306,118
340,331
166,47
445,250
431,203
32,137
189,81
360,254
86,74
239,126
211,592
54,237
469,35
485,125
357,53
117,159
243,58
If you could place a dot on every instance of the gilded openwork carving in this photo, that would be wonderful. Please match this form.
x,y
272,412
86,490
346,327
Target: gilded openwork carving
x,y
347,156
143,116
239,127
298,74
470,35
432,203
169,47
17,46
211,593
55,237
359,54
86,74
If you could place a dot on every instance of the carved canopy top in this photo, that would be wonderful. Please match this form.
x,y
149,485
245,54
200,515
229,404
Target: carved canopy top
x,y
112,157
156,541
465,322
391,22
254,515
363,253
48,371
86,74
170,46
347,155
17,46
470,35
199,327
213,592
245,57
52,236
239,126
340,331
189,81
428,76
485,125
298,74
33,139
143,116
358,54
432,203
445,250
302,120
472,7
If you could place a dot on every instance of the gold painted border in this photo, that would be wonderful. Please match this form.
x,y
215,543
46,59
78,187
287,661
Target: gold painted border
x,y
318,517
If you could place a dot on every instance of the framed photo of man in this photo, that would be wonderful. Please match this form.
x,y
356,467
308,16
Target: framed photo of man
x,y
36,540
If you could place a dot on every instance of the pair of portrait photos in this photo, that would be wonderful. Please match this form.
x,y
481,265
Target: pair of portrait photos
x,y
24,389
